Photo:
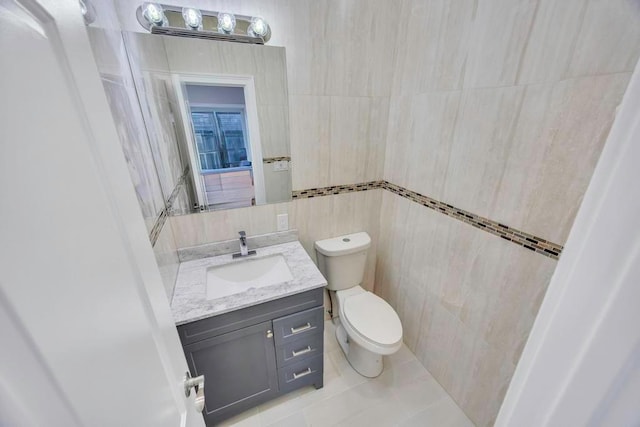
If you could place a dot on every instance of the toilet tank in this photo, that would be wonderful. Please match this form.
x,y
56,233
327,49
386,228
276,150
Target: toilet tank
x,y
342,259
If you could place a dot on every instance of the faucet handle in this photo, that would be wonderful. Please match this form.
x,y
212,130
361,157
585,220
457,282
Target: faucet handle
x,y
242,234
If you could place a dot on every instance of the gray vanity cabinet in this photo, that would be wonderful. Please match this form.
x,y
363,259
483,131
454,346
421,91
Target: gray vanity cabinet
x,y
251,355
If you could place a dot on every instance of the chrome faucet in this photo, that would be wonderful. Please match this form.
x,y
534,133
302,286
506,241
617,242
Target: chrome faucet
x,y
244,250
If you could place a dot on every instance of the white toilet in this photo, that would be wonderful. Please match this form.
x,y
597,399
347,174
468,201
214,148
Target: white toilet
x,y
367,327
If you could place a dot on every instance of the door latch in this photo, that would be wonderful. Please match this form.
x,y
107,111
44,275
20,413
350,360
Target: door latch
x,y
198,384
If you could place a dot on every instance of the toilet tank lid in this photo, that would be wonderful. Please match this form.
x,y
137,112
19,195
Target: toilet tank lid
x,y
344,245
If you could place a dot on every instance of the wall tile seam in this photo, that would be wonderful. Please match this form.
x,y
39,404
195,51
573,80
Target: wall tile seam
x,y
340,95
528,241
522,85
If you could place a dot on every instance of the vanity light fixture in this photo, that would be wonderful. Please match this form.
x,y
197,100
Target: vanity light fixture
x,y
226,22
154,14
165,19
192,18
258,27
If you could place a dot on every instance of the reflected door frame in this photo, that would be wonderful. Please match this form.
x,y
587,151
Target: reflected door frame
x,y
246,82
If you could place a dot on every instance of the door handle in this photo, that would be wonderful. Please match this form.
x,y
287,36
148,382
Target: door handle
x,y
198,384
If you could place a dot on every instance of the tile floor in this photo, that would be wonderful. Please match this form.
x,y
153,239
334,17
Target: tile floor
x,y
404,395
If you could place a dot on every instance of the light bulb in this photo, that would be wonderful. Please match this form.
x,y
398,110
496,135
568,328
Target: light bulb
x,y
88,11
258,27
226,22
154,14
192,18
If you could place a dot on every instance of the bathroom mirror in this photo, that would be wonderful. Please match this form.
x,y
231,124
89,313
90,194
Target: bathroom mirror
x,y
217,116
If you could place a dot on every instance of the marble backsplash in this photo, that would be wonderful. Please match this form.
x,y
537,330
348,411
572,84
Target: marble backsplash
x,y
233,245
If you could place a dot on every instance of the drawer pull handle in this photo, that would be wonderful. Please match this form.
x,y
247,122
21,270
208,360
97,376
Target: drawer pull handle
x,y
301,328
302,374
300,352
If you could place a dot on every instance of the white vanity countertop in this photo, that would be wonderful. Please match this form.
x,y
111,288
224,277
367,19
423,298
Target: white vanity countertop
x,y
190,301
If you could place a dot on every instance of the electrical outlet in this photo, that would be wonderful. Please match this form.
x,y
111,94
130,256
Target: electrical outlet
x,y
281,165
283,222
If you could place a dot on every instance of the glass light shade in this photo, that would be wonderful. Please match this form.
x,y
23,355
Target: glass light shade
x,y
226,22
83,7
258,27
154,14
192,18
88,11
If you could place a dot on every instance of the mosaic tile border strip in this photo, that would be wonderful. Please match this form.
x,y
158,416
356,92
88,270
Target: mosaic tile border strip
x,y
336,189
154,234
526,240
157,227
174,194
276,159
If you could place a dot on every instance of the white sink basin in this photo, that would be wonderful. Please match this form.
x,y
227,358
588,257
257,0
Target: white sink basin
x,y
242,275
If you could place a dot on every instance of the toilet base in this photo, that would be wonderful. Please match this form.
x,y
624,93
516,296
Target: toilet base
x,y
364,362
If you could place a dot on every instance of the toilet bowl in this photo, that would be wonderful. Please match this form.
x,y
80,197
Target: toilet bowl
x,y
371,328
367,327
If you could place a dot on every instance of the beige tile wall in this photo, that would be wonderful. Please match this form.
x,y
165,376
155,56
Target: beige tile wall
x,y
467,299
166,254
501,109
520,155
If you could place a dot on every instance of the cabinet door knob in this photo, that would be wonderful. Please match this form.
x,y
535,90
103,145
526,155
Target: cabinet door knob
x,y
269,333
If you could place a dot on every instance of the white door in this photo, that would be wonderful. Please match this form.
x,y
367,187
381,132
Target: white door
x,y
86,334
581,364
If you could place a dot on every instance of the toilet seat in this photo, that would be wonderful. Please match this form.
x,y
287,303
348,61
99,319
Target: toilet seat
x,y
371,322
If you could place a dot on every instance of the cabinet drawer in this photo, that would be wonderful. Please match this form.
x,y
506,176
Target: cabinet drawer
x,y
300,349
238,319
305,372
297,325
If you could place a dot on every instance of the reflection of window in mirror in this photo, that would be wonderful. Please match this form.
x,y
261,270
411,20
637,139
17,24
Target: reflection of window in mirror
x,y
221,138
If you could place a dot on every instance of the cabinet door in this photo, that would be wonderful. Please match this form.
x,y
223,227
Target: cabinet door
x,y
239,369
